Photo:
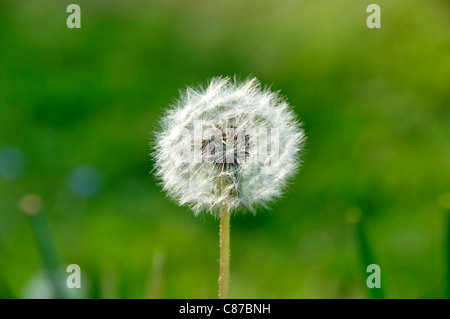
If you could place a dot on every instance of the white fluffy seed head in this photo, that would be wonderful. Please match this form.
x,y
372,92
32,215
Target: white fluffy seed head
x,y
231,143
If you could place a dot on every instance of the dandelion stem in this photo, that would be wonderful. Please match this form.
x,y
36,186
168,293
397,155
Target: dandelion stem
x,y
224,274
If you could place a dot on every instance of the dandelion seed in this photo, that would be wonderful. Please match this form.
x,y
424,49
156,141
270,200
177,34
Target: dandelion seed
x,y
228,147
240,123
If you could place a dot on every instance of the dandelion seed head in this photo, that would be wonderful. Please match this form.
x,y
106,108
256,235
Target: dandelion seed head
x,y
231,143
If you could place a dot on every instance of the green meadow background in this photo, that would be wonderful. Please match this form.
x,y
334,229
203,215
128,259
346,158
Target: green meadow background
x,y
78,108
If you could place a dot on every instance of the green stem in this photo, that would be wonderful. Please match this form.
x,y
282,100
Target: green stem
x,y
447,292
224,273
367,257
48,252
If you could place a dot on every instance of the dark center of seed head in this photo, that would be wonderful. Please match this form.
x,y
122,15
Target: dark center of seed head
x,y
226,147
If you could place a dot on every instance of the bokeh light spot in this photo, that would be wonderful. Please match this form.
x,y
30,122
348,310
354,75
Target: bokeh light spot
x,y
12,162
444,200
31,204
85,180
353,215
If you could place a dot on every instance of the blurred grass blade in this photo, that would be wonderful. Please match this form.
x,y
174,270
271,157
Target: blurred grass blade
x,y
154,290
5,289
31,205
354,216
444,202
48,252
367,258
109,286
447,290
6,292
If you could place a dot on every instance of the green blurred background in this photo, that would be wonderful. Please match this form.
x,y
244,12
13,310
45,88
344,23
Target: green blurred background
x,y
78,107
